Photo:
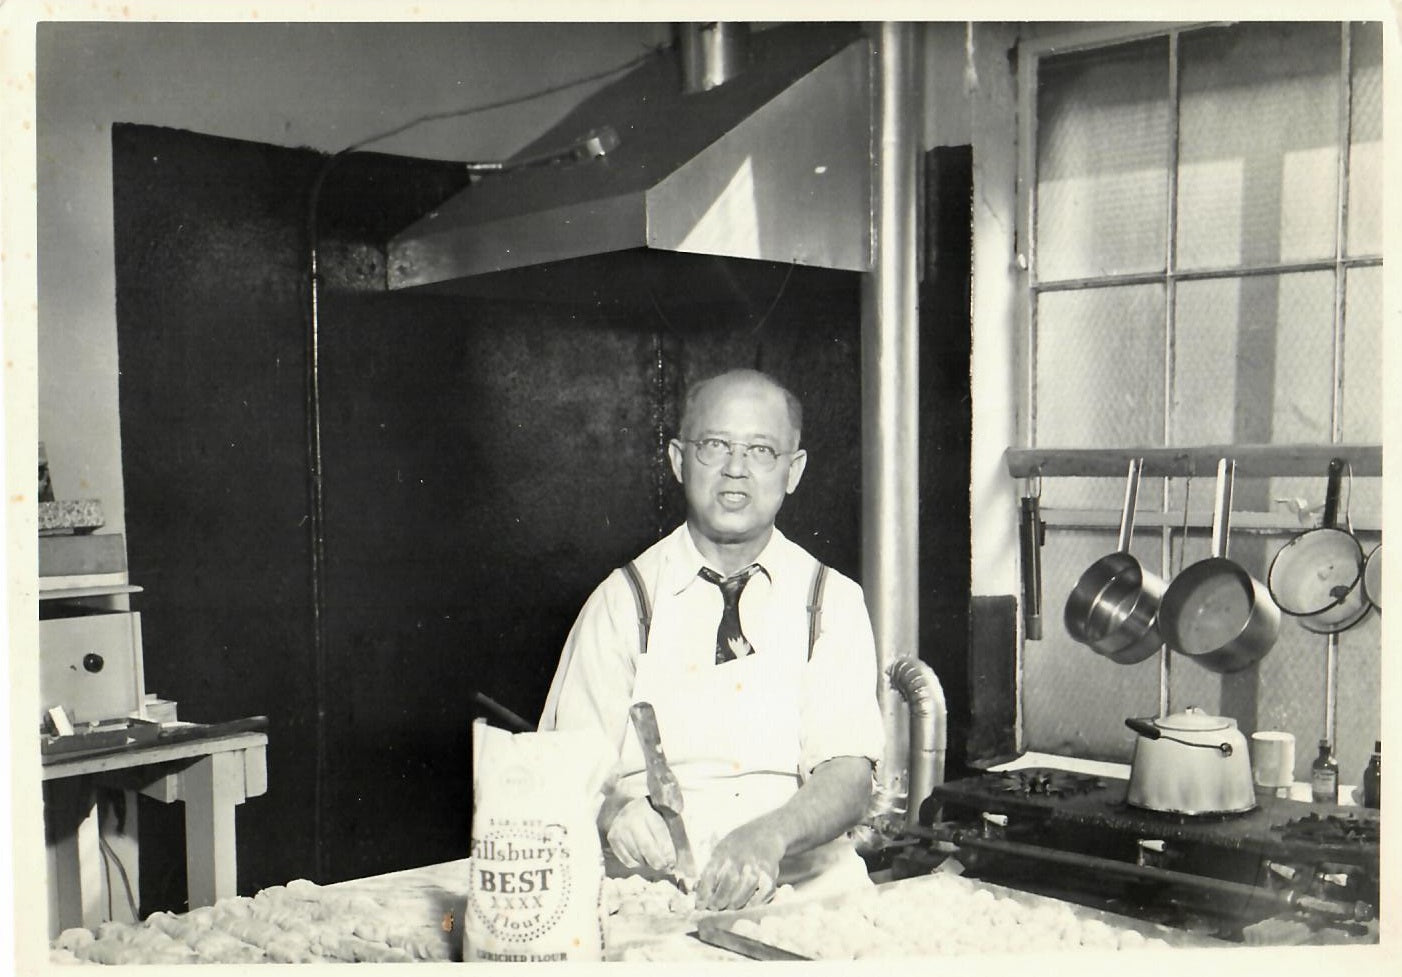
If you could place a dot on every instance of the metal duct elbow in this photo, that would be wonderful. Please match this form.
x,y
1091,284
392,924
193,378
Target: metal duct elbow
x,y
923,695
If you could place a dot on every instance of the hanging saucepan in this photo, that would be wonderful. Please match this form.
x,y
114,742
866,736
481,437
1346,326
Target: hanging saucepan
x,y
1373,577
1214,612
1317,577
1113,606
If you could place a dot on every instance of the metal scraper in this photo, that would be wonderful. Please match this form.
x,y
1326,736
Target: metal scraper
x,y
663,791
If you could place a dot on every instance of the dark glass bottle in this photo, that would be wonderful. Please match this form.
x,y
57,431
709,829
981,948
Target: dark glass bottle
x,y
1373,778
1324,776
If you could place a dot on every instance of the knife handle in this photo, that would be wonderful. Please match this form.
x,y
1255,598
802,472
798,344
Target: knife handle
x,y
662,786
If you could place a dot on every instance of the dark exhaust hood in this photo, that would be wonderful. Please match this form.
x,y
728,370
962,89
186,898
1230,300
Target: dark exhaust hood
x,y
773,164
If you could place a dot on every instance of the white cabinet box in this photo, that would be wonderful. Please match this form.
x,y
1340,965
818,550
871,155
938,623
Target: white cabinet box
x,y
91,665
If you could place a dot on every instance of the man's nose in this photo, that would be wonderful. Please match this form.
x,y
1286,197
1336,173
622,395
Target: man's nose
x,y
736,461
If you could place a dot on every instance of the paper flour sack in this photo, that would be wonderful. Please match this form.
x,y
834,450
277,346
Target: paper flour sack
x,y
536,863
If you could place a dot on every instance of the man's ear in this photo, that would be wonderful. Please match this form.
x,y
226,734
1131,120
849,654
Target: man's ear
x,y
796,466
676,451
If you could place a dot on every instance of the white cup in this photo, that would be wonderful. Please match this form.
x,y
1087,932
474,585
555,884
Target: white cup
x,y
1273,758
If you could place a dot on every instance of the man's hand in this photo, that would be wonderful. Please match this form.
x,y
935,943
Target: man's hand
x,y
639,836
743,868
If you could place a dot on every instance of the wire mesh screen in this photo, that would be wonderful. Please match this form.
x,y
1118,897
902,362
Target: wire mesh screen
x,y
1259,124
1100,375
1102,135
1363,374
1230,353
1365,206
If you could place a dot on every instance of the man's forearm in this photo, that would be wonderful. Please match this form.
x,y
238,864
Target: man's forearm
x,y
833,799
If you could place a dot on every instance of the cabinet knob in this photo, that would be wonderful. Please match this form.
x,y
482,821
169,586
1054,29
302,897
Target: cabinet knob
x,y
93,662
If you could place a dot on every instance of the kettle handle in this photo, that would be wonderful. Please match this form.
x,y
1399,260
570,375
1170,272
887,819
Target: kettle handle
x,y
1145,728
1149,730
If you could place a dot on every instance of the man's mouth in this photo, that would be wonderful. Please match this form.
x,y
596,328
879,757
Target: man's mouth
x,y
733,498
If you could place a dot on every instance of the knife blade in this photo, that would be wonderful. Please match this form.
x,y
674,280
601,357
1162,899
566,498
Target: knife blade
x,y
663,791
718,934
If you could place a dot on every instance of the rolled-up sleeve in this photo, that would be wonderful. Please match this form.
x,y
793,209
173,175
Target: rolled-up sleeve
x,y
593,682
840,713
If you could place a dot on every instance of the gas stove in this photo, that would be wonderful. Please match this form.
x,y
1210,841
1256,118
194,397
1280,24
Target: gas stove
x,y
1276,827
1075,836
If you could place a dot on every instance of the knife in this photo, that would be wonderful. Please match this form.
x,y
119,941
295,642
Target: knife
x,y
717,934
663,791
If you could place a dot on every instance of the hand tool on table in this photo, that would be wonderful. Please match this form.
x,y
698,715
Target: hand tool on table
x,y
716,933
663,791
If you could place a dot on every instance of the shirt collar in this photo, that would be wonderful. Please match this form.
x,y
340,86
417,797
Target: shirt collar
x,y
684,561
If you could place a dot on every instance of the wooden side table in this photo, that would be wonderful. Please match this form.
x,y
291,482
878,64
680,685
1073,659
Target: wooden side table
x,y
211,776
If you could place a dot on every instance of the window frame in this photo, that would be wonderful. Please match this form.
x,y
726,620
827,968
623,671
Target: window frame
x,y
1030,52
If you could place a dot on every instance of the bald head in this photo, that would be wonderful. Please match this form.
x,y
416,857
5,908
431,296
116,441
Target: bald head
x,y
735,383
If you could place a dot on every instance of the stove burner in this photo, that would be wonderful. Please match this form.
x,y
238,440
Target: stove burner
x,y
1336,829
1048,783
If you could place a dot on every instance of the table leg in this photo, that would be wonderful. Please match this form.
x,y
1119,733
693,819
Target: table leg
x,y
211,788
73,811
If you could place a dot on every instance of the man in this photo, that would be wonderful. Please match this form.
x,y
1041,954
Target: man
x,y
774,744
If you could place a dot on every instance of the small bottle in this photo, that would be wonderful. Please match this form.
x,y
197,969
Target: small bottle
x,y
1324,776
1373,778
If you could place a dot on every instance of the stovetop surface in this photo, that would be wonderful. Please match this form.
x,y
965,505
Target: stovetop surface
x,y
1277,826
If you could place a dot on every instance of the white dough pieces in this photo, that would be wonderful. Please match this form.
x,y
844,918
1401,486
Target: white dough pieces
x,y
941,915
300,922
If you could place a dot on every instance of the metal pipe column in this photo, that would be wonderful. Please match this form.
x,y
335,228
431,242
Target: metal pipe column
x,y
890,382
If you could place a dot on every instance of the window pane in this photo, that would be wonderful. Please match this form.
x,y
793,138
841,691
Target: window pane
x,y
1254,365
1103,493
1291,693
1363,372
1254,359
1365,178
1100,373
1363,356
1102,150
1258,149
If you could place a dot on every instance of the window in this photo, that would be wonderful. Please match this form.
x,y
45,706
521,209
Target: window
x,y
1204,266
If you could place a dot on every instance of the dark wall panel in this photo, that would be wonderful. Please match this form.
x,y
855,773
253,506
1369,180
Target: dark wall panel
x,y
485,463
213,456
211,259
946,426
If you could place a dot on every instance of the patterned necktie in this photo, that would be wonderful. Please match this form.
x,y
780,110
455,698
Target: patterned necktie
x,y
731,642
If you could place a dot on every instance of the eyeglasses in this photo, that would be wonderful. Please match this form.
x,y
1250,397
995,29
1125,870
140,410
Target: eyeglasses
x,y
714,451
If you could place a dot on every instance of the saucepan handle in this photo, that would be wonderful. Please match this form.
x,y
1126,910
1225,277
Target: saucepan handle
x,y
1331,493
1136,466
1222,507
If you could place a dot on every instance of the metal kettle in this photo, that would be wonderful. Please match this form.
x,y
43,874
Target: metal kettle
x,y
1190,762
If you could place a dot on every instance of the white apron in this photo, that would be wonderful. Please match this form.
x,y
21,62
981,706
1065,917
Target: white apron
x,y
731,736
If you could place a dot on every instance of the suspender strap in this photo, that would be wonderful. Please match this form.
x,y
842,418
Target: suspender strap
x,y
635,583
815,605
